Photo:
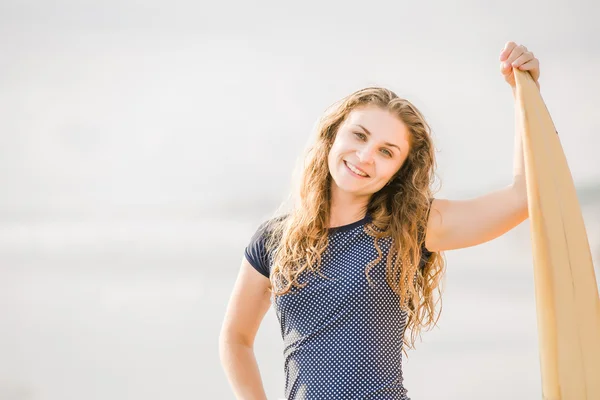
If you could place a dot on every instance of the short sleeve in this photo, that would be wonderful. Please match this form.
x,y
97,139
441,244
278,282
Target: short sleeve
x,y
255,251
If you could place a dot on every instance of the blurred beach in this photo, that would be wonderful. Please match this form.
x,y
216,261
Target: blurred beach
x,y
131,309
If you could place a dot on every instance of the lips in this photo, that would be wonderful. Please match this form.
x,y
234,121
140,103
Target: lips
x,y
355,167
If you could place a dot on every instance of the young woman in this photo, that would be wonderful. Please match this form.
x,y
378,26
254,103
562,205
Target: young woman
x,y
353,265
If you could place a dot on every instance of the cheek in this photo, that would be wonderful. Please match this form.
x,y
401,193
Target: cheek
x,y
332,158
394,171
390,171
337,150
343,151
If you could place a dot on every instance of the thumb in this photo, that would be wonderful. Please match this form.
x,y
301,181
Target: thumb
x,y
505,68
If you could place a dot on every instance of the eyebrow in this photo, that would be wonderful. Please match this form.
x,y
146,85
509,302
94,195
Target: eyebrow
x,y
386,143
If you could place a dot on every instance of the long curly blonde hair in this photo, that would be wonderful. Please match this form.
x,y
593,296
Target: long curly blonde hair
x,y
399,210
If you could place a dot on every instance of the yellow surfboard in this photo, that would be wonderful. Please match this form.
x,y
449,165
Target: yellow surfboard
x,y
567,302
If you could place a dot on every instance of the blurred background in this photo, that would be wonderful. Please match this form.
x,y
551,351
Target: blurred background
x,y
142,143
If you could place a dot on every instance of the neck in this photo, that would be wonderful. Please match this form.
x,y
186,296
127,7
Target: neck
x,y
346,207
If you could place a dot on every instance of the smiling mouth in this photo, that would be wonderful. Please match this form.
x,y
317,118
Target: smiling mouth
x,y
353,172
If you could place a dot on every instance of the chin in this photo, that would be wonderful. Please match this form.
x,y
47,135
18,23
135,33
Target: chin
x,y
352,187
346,186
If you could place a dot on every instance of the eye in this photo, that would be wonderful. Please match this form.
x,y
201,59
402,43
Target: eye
x,y
389,153
361,136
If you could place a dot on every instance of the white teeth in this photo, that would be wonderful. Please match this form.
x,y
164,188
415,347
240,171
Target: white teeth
x,y
355,170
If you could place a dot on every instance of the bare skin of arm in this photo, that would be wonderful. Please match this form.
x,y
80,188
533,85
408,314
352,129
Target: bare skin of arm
x,y
248,304
456,224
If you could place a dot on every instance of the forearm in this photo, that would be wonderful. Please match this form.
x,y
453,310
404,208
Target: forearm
x,y
518,158
519,185
242,371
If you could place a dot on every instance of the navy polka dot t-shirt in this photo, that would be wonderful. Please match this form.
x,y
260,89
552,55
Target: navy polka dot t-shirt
x,y
342,337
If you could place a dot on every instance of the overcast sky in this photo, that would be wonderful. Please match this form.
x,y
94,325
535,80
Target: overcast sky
x,y
188,104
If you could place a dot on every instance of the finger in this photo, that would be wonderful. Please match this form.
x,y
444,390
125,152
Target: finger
x,y
516,53
522,59
533,67
505,68
508,47
529,65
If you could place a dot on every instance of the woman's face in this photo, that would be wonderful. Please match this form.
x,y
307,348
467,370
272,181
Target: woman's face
x,y
375,142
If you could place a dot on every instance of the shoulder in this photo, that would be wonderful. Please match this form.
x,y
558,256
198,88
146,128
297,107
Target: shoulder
x,y
256,250
267,227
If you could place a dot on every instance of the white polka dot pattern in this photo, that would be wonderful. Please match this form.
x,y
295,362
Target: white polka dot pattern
x,y
342,337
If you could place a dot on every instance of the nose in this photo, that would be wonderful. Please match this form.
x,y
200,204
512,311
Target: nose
x,y
365,155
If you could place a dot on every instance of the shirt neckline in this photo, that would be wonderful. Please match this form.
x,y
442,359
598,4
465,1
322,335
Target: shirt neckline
x,y
343,228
